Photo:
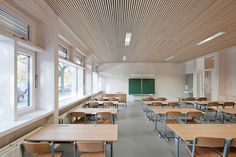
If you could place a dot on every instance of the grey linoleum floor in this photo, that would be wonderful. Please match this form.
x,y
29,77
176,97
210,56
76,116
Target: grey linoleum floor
x,y
136,137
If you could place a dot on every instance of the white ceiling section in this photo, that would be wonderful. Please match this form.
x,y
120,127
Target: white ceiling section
x,y
160,28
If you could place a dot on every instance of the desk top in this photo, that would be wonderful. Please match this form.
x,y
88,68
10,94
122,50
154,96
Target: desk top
x,y
163,102
226,110
162,111
76,132
205,102
96,110
102,102
189,131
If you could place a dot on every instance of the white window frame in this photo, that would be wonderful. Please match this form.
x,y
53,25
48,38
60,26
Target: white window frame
x,y
75,66
32,106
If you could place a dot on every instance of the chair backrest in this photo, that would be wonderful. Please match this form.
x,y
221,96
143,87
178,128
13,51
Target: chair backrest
x,y
202,99
208,142
77,114
161,99
90,147
229,104
93,104
35,148
149,99
173,104
173,114
213,103
104,115
157,104
108,103
190,99
194,114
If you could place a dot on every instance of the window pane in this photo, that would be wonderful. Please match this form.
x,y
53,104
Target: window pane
x,y
23,81
62,52
66,81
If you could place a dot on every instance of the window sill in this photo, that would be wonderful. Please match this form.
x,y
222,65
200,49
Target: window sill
x,y
9,126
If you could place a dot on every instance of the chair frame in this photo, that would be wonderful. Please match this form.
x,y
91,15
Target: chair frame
x,y
225,151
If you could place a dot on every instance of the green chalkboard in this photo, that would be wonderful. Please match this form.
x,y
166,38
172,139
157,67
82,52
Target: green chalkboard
x,y
135,86
148,86
141,86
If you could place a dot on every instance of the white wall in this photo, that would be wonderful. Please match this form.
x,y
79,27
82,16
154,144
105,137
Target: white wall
x,y
169,77
227,73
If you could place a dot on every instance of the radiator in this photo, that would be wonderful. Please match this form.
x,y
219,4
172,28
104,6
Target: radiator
x,y
13,149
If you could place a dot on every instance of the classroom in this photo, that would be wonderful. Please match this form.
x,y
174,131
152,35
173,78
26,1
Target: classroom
x,y
117,78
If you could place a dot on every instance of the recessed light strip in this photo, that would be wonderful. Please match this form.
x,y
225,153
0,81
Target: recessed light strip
x,y
210,38
127,39
167,59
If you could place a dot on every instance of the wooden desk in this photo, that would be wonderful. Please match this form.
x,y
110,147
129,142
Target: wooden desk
x,y
163,111
77,132
188,132
94,111
102,102
226,111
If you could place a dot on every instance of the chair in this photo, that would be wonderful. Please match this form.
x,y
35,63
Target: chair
x,y
80,117
210,106
228,104
191,117
171,117
89,149
149,99
190,99
156,104
93,104
208,147
161,99
39,149
173,104
108,104
202,99
104,118
232,150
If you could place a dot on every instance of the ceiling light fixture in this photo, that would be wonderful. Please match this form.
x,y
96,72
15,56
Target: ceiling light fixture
x,y
210,38
124,58
127,39
167,59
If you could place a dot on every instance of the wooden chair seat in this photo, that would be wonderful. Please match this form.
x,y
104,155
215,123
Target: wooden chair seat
x,y
96,154
57,154
79,121
205,152
104,121
171,121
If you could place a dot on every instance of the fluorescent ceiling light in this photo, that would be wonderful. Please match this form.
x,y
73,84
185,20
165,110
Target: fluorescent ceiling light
x,y
170,58
210,38
124,58
127,39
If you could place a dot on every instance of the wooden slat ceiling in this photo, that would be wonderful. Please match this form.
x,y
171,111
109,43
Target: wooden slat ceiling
x,y
160,28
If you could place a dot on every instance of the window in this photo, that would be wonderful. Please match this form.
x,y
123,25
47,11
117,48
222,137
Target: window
x,y
95,82
25,81
67,81
79,60
62,52
14,25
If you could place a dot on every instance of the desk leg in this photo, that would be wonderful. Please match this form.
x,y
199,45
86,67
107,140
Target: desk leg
x,y
113,118
111,149
177,146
